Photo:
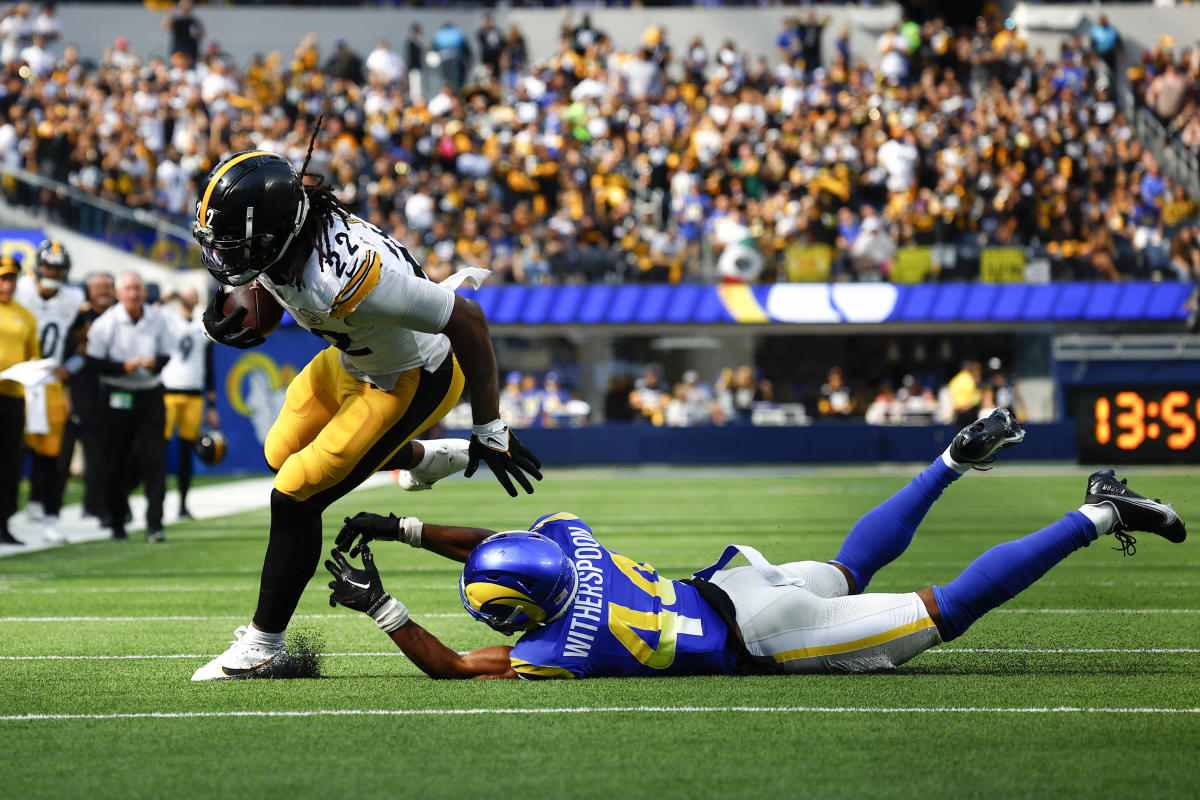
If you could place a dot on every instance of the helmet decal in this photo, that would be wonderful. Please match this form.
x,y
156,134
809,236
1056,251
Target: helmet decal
x,y
202,210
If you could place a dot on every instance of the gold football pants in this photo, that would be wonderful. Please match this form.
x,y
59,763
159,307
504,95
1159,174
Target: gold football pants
x,y
335,431
184,411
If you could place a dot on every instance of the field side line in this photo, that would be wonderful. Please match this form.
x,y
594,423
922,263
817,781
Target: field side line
x,y
432,712
397,653
202,618
1095,611
441,615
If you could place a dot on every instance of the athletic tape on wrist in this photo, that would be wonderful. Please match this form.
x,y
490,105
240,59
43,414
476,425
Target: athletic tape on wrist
x,y
410,531
391,615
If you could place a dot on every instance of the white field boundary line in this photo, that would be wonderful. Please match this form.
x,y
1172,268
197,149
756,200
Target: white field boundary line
x,y
397,654
203,618
459,712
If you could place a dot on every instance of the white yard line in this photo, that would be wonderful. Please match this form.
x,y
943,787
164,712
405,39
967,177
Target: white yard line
x,y
201,618
950,651
460,712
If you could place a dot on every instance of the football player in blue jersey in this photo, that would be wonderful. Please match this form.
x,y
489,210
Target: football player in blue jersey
x,y
584,611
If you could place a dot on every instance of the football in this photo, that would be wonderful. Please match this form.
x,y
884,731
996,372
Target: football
x,y
263,311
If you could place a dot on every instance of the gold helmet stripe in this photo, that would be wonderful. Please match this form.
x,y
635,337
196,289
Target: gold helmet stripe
x,y
203,211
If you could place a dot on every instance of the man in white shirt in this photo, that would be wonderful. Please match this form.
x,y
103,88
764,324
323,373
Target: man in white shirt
x,y
128,346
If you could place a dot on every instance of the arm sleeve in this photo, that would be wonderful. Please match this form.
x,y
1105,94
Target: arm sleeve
x,y
105,366
406,301
210,381
73,359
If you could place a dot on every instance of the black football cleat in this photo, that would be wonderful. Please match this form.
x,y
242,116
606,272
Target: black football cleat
x,y
978,443
1134,512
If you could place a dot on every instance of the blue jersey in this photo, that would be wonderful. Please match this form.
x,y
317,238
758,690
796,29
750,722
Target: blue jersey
x,y
626,621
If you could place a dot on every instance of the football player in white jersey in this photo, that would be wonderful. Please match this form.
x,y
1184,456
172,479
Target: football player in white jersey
x,y
56,306
402,348
188,386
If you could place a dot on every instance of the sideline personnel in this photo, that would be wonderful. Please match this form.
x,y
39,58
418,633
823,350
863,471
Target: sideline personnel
x,y
18,342
128,345
188,383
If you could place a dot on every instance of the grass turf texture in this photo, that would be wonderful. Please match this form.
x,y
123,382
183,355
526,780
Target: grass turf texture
x,y
207,575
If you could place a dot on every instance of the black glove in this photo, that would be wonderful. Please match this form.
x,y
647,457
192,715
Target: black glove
x,y
359,589
228,330
371,527
499,447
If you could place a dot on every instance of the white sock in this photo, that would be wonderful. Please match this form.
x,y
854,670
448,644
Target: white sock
x,y
254,636
428,457
961,469
1102,515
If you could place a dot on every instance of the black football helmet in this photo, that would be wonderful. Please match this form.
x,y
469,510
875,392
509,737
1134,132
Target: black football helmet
x,y
252,207
210,447
51,265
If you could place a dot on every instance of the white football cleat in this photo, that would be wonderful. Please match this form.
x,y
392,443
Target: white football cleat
x,y
241,660
444,456
51,533
34,511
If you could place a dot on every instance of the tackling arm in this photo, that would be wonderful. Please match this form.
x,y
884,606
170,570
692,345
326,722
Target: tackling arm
x,y
362,590
450,541
440,662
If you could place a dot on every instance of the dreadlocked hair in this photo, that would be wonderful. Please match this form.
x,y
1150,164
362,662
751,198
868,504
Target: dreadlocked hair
x,y
323,204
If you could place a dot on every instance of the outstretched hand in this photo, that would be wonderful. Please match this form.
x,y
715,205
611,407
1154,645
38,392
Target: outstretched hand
x,y
366,527
359,589
504,454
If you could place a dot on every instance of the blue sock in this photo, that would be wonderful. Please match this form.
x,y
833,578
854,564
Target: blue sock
x,y
1000,573
885,531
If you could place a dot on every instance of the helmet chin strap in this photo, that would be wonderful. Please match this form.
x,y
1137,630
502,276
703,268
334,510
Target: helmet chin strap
x,y
50,284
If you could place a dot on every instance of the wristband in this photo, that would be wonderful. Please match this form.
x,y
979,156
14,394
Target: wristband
x,y
493,434
390,614
409,531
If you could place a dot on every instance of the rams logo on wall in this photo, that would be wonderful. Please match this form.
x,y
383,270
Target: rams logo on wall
x,y
255,387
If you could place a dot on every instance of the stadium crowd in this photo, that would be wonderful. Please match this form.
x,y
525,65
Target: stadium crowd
x,y
653,160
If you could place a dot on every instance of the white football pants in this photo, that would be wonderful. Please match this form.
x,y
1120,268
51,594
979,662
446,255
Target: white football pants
x,y
799,616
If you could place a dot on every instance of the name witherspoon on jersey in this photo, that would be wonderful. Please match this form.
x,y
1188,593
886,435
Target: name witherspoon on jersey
x,y
589,600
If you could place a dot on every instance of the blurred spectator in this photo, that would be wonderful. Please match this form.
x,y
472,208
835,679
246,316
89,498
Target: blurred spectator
x,y
344,64
836,401
1004,394
16,32
965,393
649,398
415,48
604,162
1167,93
1106,42
186,32
885,409
491,45
385,64
454,54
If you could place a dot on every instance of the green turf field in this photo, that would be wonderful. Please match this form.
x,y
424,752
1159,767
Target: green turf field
x,y
1087,685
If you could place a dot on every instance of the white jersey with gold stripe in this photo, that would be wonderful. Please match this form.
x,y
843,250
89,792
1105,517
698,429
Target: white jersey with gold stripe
x,y
55,314
369,298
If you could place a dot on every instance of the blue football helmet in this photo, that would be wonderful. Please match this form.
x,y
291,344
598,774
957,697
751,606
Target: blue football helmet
x,y
517,581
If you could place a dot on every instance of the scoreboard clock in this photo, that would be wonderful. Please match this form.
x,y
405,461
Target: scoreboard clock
x,y
1137,424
